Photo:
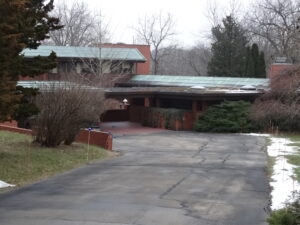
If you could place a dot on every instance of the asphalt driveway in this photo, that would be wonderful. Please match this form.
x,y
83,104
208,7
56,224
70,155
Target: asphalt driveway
x,y
169,178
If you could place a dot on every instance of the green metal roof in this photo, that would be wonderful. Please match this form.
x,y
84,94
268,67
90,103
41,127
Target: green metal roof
x,y
46,85
189,81
127,54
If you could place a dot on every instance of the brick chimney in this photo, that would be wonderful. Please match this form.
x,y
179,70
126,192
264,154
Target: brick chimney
x,y
280,64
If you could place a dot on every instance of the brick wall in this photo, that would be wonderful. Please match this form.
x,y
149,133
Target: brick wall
x,y
278,68
100,139
12,123
97,138
188,122
15,129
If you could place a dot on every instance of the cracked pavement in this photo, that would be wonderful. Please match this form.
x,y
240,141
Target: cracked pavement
x,y
168,178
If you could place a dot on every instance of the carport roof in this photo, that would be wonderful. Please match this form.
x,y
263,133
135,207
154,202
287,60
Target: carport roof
x,y
126,54
190,81
181,93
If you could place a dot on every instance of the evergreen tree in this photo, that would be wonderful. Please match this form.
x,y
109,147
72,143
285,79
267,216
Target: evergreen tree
x,y
255,58
228,49
23,24
261,66
255,62
26,107
249,68
228,116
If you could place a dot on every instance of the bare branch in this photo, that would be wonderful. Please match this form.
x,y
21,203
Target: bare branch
x,y
156,30
276,22
81,26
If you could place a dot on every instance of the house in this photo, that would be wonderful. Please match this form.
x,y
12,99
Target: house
x,y
179,99
185,96
111,63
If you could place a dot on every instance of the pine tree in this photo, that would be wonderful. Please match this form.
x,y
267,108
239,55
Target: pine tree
x,y
255,58
23,24
261,66
249,68
228,49
255,62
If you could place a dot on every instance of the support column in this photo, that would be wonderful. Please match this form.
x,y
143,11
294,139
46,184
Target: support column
x,y
147,102
194,109
157,103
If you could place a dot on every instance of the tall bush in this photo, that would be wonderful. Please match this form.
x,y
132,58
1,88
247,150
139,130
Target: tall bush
x,y
280,106
229,116
65,108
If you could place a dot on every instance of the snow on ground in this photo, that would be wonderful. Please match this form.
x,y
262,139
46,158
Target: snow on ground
x,y
257,134
4,185
282,182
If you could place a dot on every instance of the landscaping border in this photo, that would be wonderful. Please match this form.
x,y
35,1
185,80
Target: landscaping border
x,y
96,138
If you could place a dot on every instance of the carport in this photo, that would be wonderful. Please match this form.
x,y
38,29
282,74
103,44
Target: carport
x,y
193,101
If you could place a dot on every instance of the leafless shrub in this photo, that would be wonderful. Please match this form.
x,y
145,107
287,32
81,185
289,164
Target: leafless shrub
x,y
65,108
280,107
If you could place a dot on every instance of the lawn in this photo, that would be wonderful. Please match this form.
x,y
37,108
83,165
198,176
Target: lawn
x,y
22,162
271,163
295,158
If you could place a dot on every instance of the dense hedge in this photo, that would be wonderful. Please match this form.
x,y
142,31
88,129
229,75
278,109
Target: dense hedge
x,y
287,216
227,117
153,116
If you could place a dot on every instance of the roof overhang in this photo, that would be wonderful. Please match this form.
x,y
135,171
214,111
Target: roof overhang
x,y
69,52
175,93
191,81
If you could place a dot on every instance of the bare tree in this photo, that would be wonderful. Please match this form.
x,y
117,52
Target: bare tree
x,y
275,22
212,13
156,30
198,59
181,61
82,27
101,30
215,13
280,107
66,107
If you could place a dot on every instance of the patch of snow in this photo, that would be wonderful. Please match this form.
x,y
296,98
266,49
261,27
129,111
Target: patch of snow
x,y
248,87
282,182
234,91
242,91
198,87
257,134
4,185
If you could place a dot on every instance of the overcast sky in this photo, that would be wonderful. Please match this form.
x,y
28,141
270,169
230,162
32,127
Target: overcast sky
x,y
191,23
